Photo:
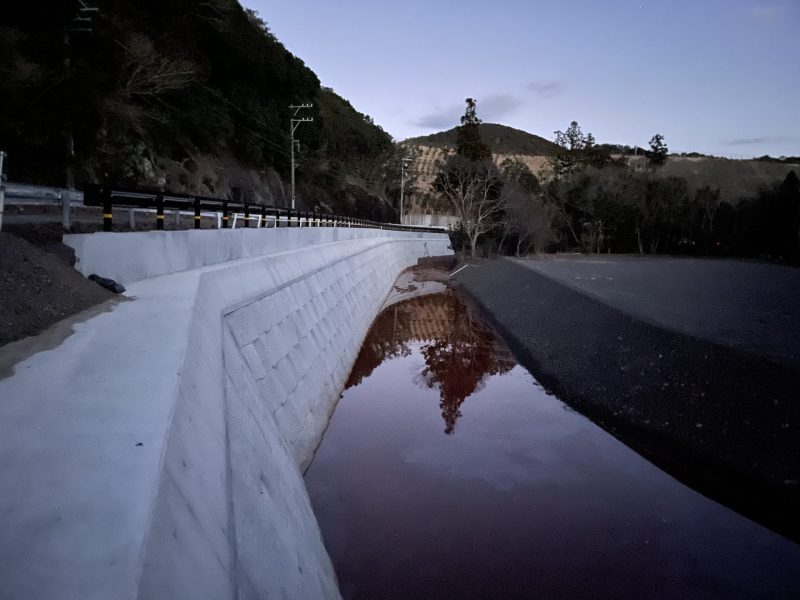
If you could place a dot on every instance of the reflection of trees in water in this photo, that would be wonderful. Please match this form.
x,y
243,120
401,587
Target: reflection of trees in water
x,y
382,344
460,353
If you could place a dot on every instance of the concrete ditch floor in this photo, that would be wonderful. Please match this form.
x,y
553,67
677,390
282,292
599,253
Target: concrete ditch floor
x,y
722,420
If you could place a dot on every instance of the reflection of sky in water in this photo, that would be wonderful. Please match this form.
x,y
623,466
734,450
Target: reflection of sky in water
x,y
513,449
524,496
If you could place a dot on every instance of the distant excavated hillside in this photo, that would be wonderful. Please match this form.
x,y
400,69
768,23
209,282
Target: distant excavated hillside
x,y
736,179
189,96
505,142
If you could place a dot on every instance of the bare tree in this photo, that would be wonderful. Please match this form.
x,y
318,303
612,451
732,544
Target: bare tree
x,y
148,72
530,217
474,190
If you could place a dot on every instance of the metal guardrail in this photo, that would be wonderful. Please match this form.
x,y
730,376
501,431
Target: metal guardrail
x,y
109,198
37,195
21,194
226,213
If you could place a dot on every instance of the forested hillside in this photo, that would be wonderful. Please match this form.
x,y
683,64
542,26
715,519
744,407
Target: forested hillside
x,y
189,96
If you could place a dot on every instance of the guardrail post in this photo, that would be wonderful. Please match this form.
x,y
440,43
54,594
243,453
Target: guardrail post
x,y
263,216
107,214
160,212
65,211
246,214
197,217
224,215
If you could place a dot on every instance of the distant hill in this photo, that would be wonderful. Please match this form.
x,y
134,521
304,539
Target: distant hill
x,y
502,139
429,152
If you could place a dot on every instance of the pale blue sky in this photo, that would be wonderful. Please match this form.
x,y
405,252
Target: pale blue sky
x,y
715,76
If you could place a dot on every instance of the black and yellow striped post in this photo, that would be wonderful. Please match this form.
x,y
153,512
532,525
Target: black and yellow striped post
x,y
196,213
160,212
224,215
246,214
107,214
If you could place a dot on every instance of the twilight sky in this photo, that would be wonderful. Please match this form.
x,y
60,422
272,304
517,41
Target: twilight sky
x,y
715,76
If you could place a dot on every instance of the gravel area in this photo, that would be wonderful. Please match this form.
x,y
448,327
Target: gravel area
x,y
746,305
723,421
39,287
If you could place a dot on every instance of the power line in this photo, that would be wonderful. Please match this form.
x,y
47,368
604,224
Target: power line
x,y
279,147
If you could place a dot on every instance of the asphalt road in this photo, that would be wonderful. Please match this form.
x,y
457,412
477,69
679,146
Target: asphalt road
x,y
624,351
746,305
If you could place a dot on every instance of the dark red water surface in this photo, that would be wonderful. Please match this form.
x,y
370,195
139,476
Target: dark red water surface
x,y
448,472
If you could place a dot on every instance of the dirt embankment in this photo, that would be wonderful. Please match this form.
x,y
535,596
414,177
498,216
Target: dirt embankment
x,y
723,421
38,285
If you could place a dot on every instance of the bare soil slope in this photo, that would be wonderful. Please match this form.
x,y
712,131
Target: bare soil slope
x,y
39,288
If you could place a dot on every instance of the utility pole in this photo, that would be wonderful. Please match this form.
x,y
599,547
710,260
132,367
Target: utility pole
x,y
81,23
403,166
2,186
295,121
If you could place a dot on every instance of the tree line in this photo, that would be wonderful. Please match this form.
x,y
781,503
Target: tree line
x,y
593,201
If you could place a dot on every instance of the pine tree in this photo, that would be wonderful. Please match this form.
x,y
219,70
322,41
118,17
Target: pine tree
x,y
658,150
468,142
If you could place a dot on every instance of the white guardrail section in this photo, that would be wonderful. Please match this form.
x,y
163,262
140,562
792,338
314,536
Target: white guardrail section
x,y
22,194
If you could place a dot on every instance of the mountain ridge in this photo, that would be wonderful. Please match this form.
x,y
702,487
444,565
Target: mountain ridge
x,y
502,139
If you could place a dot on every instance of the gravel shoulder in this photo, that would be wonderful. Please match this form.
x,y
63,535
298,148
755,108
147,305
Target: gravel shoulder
x,y
742,304
723,421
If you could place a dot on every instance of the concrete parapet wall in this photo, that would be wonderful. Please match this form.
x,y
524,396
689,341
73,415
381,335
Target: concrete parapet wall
x,y
158,452
140,255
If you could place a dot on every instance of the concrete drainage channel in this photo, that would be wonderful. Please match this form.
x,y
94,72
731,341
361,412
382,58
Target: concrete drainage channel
x,y
181,477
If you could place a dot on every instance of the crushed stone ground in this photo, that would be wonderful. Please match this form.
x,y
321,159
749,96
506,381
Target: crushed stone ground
x,y
38,287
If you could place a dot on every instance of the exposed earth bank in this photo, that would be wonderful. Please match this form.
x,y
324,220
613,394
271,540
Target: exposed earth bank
x,y
38,285
722,420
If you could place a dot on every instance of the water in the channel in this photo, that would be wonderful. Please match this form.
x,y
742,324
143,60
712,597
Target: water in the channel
x,y
448,472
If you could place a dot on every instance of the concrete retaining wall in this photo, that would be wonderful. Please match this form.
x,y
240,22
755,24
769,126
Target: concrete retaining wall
x,y
158,451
